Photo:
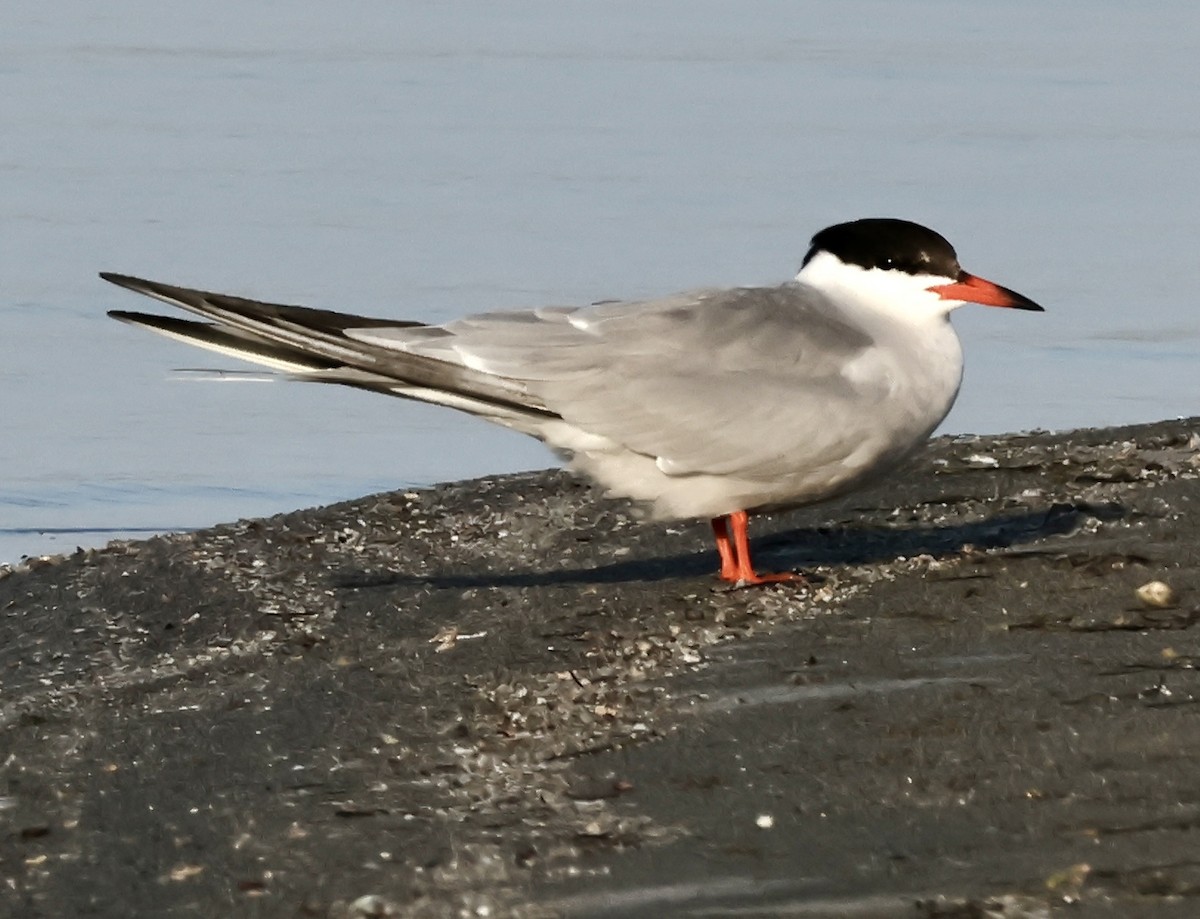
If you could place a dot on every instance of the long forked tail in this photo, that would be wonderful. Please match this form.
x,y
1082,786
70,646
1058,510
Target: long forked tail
x,y
312,344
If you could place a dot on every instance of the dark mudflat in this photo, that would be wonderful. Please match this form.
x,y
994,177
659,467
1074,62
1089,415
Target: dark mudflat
x,y
510,697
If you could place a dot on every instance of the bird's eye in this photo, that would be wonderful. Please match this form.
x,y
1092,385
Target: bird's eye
x,y
888,262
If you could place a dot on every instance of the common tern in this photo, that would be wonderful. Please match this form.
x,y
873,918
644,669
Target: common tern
x,y
710,403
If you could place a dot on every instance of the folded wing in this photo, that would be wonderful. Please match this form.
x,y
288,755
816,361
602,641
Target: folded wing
x,y
691,381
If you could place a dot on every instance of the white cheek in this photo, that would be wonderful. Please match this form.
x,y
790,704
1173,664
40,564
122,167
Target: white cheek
x,y
877,291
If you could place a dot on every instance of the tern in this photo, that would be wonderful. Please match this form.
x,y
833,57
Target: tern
x,y
711,403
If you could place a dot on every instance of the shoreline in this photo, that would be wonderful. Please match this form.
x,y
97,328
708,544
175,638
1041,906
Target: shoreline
x,y
510,696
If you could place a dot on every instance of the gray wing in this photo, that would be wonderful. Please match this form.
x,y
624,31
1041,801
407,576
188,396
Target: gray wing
x,y
713,381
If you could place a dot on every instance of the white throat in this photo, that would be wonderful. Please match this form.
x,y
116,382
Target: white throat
x,y
877,292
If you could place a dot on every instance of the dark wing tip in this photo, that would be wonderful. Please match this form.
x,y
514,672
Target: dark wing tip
x,y
123,280
125,316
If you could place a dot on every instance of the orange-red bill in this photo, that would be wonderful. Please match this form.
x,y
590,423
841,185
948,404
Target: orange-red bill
x,y
974,289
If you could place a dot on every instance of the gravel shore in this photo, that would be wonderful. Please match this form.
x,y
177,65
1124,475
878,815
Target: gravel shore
x,y
513,697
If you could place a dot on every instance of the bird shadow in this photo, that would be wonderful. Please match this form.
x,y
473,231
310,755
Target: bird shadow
x,y
786,549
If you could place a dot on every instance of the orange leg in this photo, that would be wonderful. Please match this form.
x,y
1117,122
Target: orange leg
x,y
729,566
735,554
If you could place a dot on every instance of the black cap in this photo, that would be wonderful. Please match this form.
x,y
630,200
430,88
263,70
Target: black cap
x,y
887,242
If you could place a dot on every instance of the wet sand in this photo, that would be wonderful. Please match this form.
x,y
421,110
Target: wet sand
x,y
512,697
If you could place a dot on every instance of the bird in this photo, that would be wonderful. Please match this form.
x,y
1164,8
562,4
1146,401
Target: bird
x,y
712,403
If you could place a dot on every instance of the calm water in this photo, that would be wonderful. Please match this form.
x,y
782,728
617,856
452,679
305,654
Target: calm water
x,y
421,160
